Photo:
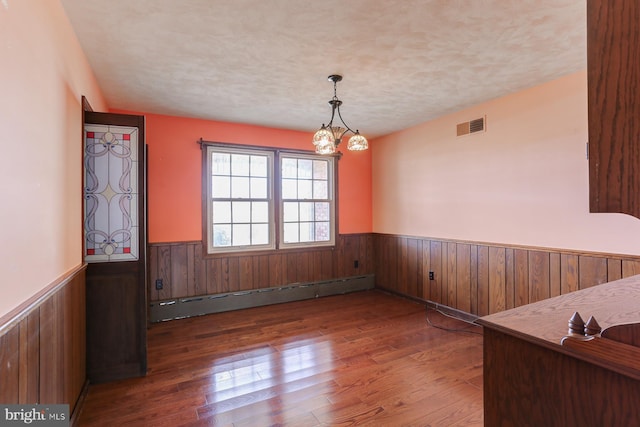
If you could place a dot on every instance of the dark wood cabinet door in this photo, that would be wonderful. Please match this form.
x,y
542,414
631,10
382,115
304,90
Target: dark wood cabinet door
x,y
613,53
115,245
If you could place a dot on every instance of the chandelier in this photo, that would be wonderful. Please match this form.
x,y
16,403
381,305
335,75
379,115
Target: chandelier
x,y
327,138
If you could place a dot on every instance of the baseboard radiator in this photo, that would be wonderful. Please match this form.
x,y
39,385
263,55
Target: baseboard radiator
x,y
206,304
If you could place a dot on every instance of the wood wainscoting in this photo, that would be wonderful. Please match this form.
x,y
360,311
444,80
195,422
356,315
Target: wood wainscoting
x,y
481,279
43,345
475,278
186,272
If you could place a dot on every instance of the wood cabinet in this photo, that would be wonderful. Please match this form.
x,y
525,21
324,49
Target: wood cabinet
x,y
613,53
531,379
529,384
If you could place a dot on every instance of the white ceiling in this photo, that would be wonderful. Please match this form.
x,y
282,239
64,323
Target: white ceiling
x,y
266,62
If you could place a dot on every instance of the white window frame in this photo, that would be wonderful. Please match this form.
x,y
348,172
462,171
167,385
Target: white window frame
x,y
331,184
276,202
209,199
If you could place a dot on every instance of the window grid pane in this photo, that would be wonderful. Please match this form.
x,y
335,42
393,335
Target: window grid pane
x,y
240,209
323,232
306,202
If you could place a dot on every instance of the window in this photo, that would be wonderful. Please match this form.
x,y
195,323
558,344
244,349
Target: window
x,y
306,200
240,206
247,209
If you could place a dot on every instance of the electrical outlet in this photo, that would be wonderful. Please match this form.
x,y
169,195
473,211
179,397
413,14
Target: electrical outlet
x,y
159,284
431,275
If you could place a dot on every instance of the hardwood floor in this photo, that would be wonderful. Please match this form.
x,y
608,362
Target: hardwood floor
x,y
366,358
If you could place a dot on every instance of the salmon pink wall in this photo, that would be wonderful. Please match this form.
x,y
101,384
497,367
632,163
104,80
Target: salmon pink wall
x,y
524,181
175,164
43,75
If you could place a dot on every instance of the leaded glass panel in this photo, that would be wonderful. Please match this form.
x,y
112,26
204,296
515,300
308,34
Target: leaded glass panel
x,y
110,193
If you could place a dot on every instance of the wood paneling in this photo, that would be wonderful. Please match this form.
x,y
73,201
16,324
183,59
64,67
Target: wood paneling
x,y
412,267
392,254
30,345
510,277
426,267
116,331
475,278
403,263
462,271
569,276
521,291
629,268
451,283
10,365
436,268
593,271
554,274
185,272
497,279
539,273
614,269
164,272
179,271
482,279
51,384
43,347
233,272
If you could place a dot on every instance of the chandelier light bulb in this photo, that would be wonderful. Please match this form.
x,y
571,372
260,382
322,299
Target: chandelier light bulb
x,y
326,148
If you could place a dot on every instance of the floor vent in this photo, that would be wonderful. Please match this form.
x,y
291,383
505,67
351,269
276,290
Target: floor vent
x,y
469,127
207,304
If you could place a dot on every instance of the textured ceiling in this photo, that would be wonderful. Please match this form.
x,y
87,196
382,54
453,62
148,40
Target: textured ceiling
x,y
266,62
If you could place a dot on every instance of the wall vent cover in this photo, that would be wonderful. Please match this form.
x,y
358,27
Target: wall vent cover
x,y
472,126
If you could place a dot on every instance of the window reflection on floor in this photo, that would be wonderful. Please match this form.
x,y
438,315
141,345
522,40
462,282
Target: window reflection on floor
x,y
289,367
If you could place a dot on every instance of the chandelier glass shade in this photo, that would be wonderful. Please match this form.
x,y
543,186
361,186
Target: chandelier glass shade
x,y
328,137
358,142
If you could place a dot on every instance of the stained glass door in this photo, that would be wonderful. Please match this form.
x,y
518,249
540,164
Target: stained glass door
x,y
115,245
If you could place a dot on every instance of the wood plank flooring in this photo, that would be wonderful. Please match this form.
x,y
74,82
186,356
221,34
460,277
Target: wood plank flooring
x,y
366,358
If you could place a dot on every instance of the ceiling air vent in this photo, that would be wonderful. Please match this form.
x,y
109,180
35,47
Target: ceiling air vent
x,y
472,126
